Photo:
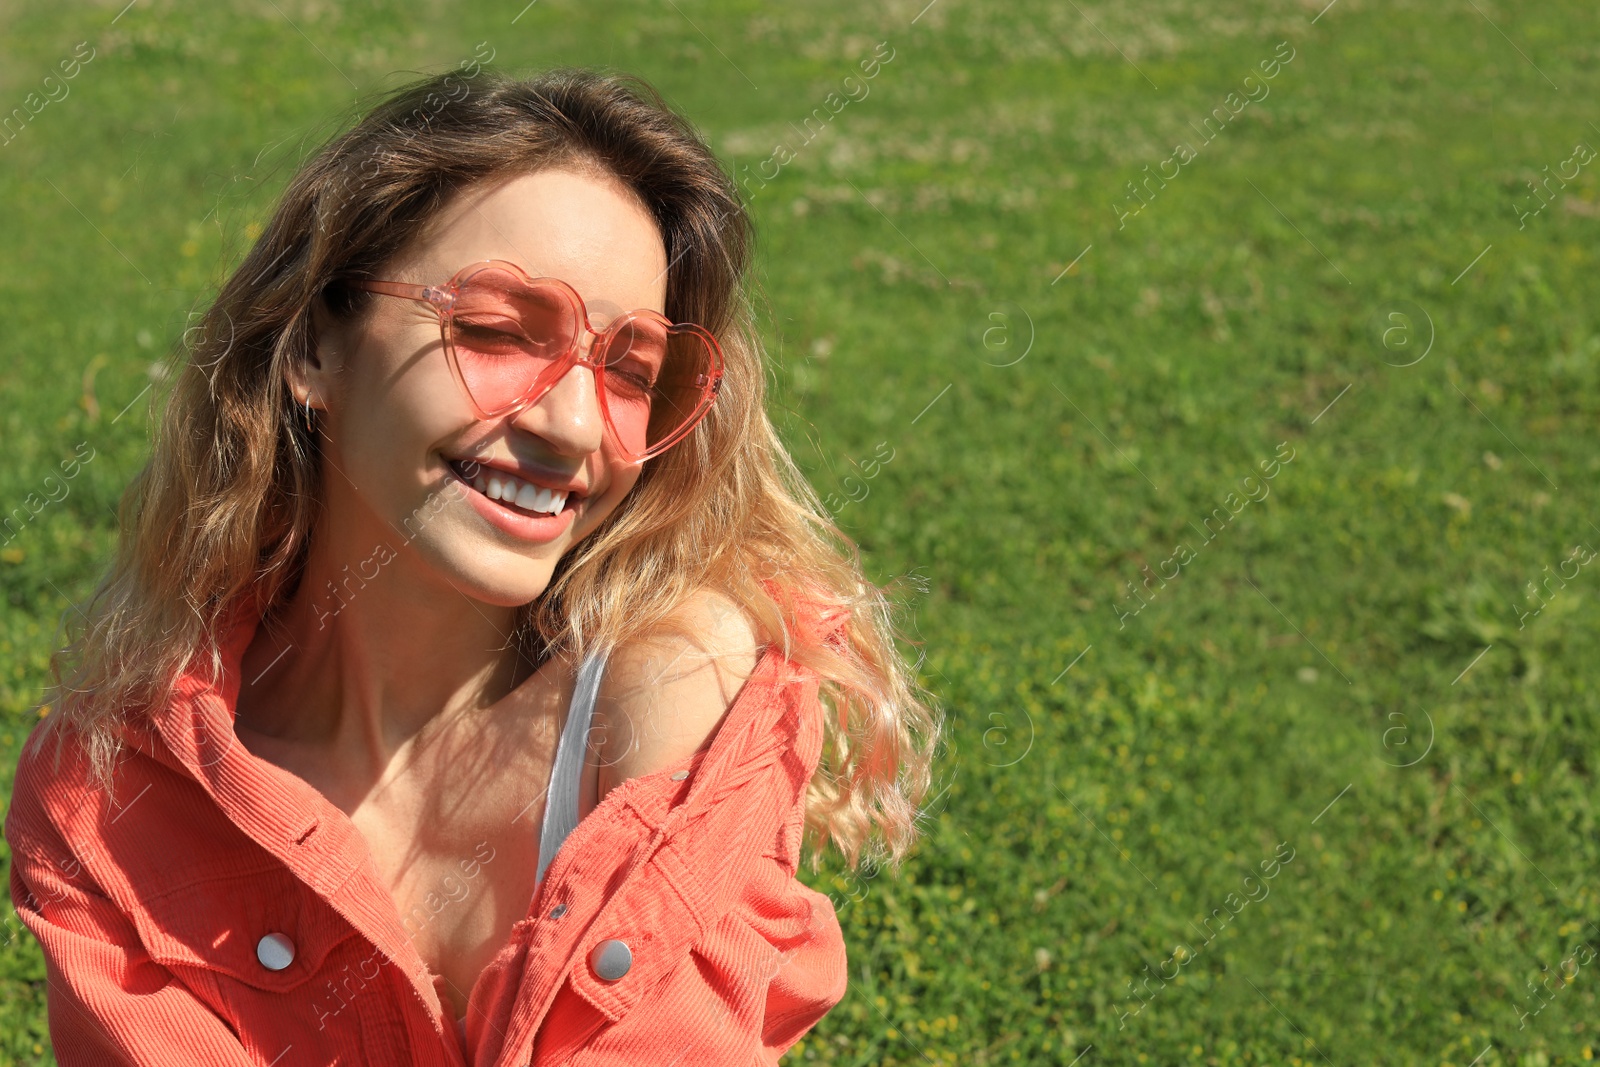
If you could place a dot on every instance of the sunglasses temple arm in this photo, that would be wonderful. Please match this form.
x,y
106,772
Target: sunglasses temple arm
x,y
427,294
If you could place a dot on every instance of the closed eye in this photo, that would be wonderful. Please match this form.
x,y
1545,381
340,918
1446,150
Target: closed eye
x,y
633,380
486,331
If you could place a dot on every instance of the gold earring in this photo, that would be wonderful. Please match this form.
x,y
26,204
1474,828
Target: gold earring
x,y
308,411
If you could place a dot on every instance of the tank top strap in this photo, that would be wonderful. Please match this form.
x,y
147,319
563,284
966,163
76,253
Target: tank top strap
x,y
561,801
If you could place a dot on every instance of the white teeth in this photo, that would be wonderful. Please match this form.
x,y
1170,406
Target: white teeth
x,y
509,490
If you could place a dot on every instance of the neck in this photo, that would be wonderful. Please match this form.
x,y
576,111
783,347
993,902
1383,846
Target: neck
x,y
364,657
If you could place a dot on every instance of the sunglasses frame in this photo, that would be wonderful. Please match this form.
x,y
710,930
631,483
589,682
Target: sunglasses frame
x,y
442,300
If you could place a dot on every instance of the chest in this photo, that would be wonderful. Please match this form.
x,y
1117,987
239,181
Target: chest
x,y
456,837
453,826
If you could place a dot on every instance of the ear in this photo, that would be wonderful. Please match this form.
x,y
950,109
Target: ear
x,y
315,378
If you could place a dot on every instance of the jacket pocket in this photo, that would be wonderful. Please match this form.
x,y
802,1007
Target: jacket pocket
x,y
263,928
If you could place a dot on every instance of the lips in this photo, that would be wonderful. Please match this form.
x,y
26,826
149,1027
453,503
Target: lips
x,y
523,524
534,495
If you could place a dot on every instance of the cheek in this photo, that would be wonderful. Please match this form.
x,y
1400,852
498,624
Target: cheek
x,y
619,480
622,479
395,408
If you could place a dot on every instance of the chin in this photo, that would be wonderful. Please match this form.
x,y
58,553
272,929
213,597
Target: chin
x,y
496,590
485,572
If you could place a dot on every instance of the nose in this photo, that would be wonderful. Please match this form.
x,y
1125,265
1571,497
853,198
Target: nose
x,y
568,417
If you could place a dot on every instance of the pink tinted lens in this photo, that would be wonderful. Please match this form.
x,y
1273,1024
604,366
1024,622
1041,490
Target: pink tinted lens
x,y
657,379
506,334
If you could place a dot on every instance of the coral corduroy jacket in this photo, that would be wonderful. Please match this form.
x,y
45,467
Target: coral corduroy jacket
x,y
219,910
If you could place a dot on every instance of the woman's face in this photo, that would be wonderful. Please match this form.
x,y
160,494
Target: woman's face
x,y
397,429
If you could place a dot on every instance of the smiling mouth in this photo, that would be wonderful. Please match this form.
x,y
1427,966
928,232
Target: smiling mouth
x,y
513,493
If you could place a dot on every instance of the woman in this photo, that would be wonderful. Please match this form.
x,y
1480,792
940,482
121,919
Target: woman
x,y
464,530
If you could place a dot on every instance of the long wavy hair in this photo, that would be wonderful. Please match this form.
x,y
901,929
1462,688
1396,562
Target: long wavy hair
x,y
223,512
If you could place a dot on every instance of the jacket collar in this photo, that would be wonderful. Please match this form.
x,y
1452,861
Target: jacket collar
x,y
277,810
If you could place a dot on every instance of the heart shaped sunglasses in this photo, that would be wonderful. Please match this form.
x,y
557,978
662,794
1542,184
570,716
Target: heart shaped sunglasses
x,y
509,338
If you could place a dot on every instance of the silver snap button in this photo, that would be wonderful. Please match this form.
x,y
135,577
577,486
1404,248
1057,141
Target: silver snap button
x,y
611,959
680,776
558,911
275,952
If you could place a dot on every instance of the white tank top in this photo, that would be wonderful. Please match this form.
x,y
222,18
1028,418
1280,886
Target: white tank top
x,y
561,799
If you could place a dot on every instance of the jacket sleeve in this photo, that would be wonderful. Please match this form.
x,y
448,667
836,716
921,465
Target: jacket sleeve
x,y
109,1003
753,985
754,959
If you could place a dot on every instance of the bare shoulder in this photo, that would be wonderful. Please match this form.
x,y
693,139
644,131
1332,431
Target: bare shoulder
x,y
664,694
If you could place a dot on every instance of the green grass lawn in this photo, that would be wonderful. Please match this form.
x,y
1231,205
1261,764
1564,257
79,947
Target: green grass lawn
x,y
1340,667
